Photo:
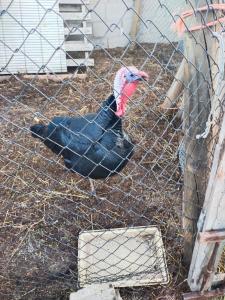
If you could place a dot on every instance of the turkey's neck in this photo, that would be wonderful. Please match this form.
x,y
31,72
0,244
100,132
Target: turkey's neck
x,y
106,114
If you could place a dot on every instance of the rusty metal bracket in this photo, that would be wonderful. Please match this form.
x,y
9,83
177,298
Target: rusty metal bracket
x,y
204,295
212,236
209,269
215,237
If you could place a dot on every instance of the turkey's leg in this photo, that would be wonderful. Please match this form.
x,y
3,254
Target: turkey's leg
x,y
93,190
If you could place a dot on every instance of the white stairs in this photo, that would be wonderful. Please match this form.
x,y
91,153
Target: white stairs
x,y
77,27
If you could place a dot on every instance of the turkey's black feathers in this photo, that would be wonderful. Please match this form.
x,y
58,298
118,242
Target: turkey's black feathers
x,y
93,145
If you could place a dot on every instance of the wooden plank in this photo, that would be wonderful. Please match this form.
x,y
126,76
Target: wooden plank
x,y
77,62
74,2
55,77
4,77
76,16
203,265
77,31
197,97
211,236
70,8
214,219
204,295
85,38
136,19
78,46
175,90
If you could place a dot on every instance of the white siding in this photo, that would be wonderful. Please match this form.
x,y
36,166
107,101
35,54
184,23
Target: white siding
x,y
35,29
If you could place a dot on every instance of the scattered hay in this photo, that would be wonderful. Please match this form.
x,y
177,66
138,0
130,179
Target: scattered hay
x,y
44,207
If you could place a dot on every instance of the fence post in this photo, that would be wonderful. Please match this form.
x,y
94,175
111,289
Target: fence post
x,y
198,79
210,241
135,21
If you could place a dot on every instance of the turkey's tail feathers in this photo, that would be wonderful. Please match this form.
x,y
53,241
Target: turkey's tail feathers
x,y
39,131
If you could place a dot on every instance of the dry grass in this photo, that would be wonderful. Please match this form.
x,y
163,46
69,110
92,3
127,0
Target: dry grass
x,y
44,207
221,267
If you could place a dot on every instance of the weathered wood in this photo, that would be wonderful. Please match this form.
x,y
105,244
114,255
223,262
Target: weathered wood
x,y
136,19
204,295
55,78
76,10
85,38
80,61
217,52
74,2
176,89
77,16
78,46
81,31
197,95
207,251
213,219
4,77
211,236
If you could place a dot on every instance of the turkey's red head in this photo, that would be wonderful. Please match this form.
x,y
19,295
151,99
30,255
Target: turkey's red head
x,y
125,84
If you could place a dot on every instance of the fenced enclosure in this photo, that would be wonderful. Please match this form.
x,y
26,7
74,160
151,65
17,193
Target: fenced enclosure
x,y
72,51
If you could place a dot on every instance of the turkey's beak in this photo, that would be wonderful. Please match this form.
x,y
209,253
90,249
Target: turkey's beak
x,y
143,76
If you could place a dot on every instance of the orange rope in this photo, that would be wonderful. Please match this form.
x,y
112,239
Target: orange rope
x,y
179,25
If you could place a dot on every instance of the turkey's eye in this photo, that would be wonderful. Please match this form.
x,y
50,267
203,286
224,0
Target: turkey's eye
x,y
132,75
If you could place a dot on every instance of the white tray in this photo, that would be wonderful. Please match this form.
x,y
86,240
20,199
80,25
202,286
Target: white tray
x,y
123,257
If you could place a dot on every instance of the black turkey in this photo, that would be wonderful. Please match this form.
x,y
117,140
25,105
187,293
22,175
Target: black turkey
x,y
95,145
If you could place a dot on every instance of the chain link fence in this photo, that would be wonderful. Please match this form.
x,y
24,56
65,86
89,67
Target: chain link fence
x,y
45,208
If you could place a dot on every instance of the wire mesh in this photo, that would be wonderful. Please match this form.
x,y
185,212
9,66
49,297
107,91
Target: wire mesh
x,y
45,206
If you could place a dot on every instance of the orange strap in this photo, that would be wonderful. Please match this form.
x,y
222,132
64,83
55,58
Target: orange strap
x,y
179,25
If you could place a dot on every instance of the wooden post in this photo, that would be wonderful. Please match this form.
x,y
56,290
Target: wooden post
x,y
210,244
136,20
198,79
175,90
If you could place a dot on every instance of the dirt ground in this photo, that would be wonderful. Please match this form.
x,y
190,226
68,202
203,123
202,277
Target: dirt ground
x,y
44,207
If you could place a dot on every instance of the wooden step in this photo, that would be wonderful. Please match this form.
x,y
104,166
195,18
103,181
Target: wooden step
x,y
77,31
73,2
78,46
80,61
75,16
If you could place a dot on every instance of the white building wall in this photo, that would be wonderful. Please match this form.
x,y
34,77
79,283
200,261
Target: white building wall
x,y
29,37
111,21
117,16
